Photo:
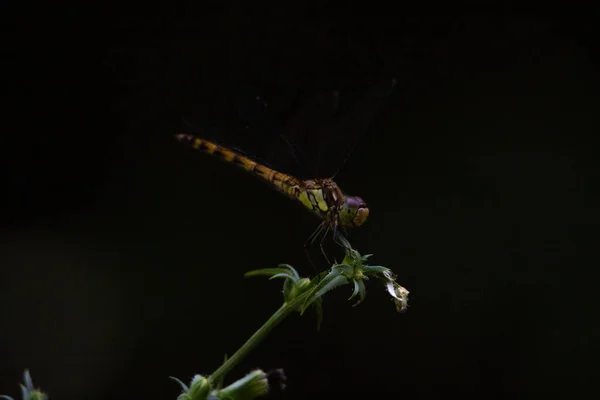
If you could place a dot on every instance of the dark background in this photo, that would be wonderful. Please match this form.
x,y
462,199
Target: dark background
x,y
122,254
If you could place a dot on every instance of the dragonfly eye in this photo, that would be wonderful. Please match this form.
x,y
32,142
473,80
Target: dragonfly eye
x,y
354,212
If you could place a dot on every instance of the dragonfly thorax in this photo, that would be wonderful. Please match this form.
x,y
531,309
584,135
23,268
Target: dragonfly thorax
x,y
324,197
353,212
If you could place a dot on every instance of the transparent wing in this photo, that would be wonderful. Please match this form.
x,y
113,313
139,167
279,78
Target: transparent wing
x,y
264,127
355,119
325,129
312,140
240,124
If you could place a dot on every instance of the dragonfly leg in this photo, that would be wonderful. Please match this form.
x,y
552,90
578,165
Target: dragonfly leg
x,y
310,261
311,240
313,236
339,238
321,243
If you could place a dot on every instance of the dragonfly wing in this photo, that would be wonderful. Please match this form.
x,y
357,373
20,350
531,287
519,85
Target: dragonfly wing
x,y
225,122
315,140
264,127
326,128
308,129
353,123
290,137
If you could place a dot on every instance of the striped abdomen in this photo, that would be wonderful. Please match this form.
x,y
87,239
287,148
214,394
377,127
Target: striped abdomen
x,y
284,183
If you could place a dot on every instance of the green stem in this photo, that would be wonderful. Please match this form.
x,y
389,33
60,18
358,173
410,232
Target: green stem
x,y
256,338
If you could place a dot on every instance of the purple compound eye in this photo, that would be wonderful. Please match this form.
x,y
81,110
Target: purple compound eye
x,y
355,202
354,212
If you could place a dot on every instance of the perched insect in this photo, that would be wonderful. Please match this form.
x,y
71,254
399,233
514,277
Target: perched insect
x,y
322,196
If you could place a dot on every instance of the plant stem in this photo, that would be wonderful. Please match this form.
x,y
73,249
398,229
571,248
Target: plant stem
x,y
256,338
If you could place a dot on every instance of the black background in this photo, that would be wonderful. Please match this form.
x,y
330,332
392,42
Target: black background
x,y
122,254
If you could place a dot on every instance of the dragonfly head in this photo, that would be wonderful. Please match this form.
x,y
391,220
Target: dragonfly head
x,y
353,212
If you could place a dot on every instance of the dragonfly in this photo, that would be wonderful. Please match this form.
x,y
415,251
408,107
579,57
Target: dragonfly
x,y
322,196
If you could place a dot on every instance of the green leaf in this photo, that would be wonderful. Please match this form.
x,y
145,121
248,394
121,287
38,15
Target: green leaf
x,y
356,289
285,275
331,281
267,272
291,269
288,287
219,383
183,385
375,269
319,310
362,290
28,381
343,269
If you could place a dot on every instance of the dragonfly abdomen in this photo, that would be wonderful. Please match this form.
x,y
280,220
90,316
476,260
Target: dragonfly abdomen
x,y
284,183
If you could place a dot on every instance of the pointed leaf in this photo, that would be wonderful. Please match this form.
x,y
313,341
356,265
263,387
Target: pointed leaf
x,y
356,289
344,241
335,282
343,269
331,281
27,380
375,269
286,275
267,272
288,286
291,269
183,385
219,383
319,310
362,290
